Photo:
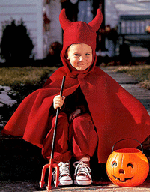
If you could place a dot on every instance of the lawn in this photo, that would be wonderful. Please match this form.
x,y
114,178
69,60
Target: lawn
x,y
23,81
22,76
12,76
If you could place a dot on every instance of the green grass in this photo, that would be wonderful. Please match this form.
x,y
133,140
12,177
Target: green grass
x,y
139,72
23,81
12,76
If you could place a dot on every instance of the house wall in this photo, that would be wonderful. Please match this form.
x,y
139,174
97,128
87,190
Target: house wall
x,y
31,12
115,8
55,33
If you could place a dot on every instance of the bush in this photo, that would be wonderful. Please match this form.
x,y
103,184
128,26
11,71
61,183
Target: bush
x,y
16,45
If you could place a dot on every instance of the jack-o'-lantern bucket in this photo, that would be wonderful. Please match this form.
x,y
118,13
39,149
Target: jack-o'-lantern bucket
x,y
127,167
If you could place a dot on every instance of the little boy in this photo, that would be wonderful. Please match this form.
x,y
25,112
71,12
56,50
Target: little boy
x,y
95,111
83,138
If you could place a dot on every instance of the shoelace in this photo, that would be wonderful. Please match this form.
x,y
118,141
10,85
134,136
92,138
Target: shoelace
x,y
64,169
82,168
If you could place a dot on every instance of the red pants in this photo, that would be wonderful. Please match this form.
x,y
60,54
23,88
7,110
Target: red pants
x,y
78,139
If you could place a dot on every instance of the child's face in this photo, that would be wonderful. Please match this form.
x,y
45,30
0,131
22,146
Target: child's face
x,y
80,56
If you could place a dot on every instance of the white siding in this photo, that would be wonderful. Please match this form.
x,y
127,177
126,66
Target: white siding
x,y
54,33
55,28
31,13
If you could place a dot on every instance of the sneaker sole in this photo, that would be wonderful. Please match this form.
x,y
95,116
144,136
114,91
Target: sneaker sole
x,y
79,182
63,183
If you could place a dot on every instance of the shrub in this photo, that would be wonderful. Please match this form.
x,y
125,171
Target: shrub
x,y
16,45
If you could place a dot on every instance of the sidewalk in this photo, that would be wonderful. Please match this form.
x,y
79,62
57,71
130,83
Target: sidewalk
x,y
143,95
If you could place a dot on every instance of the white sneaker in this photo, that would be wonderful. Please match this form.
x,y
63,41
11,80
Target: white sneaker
x,y
64,174
82,172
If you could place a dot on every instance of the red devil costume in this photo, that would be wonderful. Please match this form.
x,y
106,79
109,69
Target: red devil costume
x,y
115,114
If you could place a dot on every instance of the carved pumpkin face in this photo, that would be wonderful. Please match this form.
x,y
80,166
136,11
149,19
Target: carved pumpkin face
x,y
127,167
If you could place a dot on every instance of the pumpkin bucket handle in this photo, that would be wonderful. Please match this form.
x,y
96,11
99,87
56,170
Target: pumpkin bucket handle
x,y
127,139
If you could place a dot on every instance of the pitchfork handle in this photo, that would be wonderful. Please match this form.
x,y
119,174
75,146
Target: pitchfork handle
x,y
56,120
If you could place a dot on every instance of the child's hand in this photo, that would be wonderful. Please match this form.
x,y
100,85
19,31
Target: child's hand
x,y
58,101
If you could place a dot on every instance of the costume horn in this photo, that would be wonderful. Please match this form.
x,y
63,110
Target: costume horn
x,y
96,22
63,20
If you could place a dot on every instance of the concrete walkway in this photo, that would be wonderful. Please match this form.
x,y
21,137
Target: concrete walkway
x,y
143,95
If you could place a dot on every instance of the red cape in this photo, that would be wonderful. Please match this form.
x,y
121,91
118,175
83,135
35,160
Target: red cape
x,y
116,113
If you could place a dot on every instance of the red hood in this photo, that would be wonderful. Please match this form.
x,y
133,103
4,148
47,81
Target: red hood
x,y
79,32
